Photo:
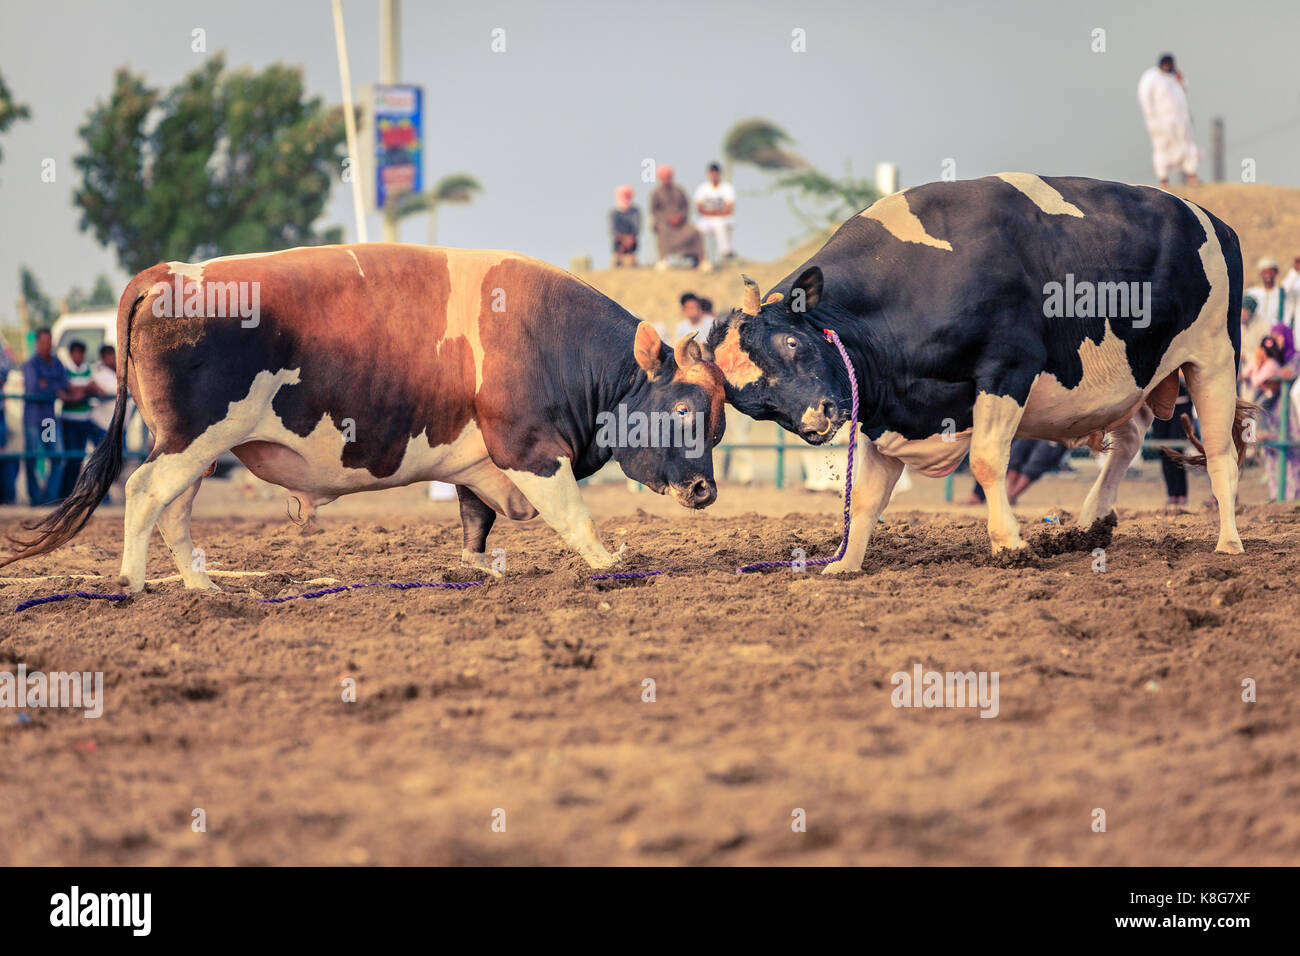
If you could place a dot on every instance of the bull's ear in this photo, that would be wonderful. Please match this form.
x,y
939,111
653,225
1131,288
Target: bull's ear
x,y
646,348
687,351
807,290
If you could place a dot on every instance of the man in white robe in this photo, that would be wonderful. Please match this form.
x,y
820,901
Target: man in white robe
x,y
1162,95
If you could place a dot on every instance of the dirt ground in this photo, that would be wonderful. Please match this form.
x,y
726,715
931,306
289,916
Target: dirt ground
x,y
1119,690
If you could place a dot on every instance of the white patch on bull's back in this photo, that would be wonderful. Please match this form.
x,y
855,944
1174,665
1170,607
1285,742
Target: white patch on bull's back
x,y
936,456
1044,196
466,270
194,270
896,216
360,271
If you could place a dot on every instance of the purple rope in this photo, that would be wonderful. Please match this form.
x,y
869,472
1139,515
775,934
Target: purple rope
x,y
396,585
50,599
615,576
848,474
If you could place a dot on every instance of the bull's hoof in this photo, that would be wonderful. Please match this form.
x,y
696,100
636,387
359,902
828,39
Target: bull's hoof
x,y
479,561
132,586
842,566
1017,545
1230,547
203,583
607,561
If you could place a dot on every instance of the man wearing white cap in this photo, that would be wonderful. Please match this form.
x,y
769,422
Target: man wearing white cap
x,y
1162,94
1291,288
1273,305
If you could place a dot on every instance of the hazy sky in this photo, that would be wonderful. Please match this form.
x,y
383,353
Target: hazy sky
x,y
586,91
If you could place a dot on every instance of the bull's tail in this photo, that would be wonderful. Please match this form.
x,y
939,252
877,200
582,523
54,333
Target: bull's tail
x,y
1247,412
62,524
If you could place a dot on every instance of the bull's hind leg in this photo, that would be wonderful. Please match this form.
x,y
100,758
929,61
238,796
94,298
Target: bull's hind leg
x,y
878,474
155,484
1214,395
476,520
1124,444
174,523
996,418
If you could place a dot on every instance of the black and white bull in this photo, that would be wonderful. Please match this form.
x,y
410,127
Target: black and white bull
x,y
1013,305
373,366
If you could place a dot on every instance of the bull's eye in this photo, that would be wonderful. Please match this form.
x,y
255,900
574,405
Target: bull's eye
x,y
681,408
791,343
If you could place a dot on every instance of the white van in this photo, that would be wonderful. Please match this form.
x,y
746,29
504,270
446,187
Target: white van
x,y
95,329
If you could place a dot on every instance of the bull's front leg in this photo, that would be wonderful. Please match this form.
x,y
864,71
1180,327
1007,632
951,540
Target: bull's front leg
x,y
996,419
558,500
875,476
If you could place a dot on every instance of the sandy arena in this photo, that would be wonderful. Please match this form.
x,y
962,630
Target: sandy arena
x,y
1119,690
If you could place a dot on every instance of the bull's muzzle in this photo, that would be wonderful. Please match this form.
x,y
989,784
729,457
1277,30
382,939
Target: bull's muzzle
x,y
821,421
699,493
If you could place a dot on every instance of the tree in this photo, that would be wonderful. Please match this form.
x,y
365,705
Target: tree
x,y
10,111
223,163
41,312
101,296
837,199
761,143
454,188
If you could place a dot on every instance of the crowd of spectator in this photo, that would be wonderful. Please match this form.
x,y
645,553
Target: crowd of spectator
x,y
87,394
679,242
1269,367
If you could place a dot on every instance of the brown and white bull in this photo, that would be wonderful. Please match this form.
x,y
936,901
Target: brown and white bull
x,y
337,369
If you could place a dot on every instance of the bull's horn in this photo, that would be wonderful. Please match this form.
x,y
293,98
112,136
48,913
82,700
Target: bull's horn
x,y
750,305
687,351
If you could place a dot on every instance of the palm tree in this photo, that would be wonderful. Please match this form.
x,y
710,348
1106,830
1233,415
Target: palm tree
x,y
760,143
454,188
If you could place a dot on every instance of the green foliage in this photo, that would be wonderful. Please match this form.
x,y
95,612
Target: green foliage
x,y
833,200
40,310
454,188
226,162
10,111
101,296
761,143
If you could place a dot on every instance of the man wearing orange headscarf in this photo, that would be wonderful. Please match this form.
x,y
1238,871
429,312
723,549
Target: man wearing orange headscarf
x,y
670,213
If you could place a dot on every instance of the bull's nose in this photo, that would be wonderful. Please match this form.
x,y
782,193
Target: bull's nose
x,y
703,492
830,410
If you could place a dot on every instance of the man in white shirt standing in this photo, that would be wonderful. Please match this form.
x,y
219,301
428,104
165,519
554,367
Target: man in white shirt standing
x,y
1291,288
1162,94
715,202
1273,304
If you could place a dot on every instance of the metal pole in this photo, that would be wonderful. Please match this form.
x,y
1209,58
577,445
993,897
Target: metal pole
x,y
1216,148
1284,443
350,122
390,68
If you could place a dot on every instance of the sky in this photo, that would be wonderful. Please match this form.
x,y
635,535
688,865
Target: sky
x,y
585,93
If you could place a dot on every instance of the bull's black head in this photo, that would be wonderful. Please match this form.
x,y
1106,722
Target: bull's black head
x,y
778,364
663,433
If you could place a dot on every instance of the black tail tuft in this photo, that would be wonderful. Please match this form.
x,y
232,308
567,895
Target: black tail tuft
x,y
62,524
